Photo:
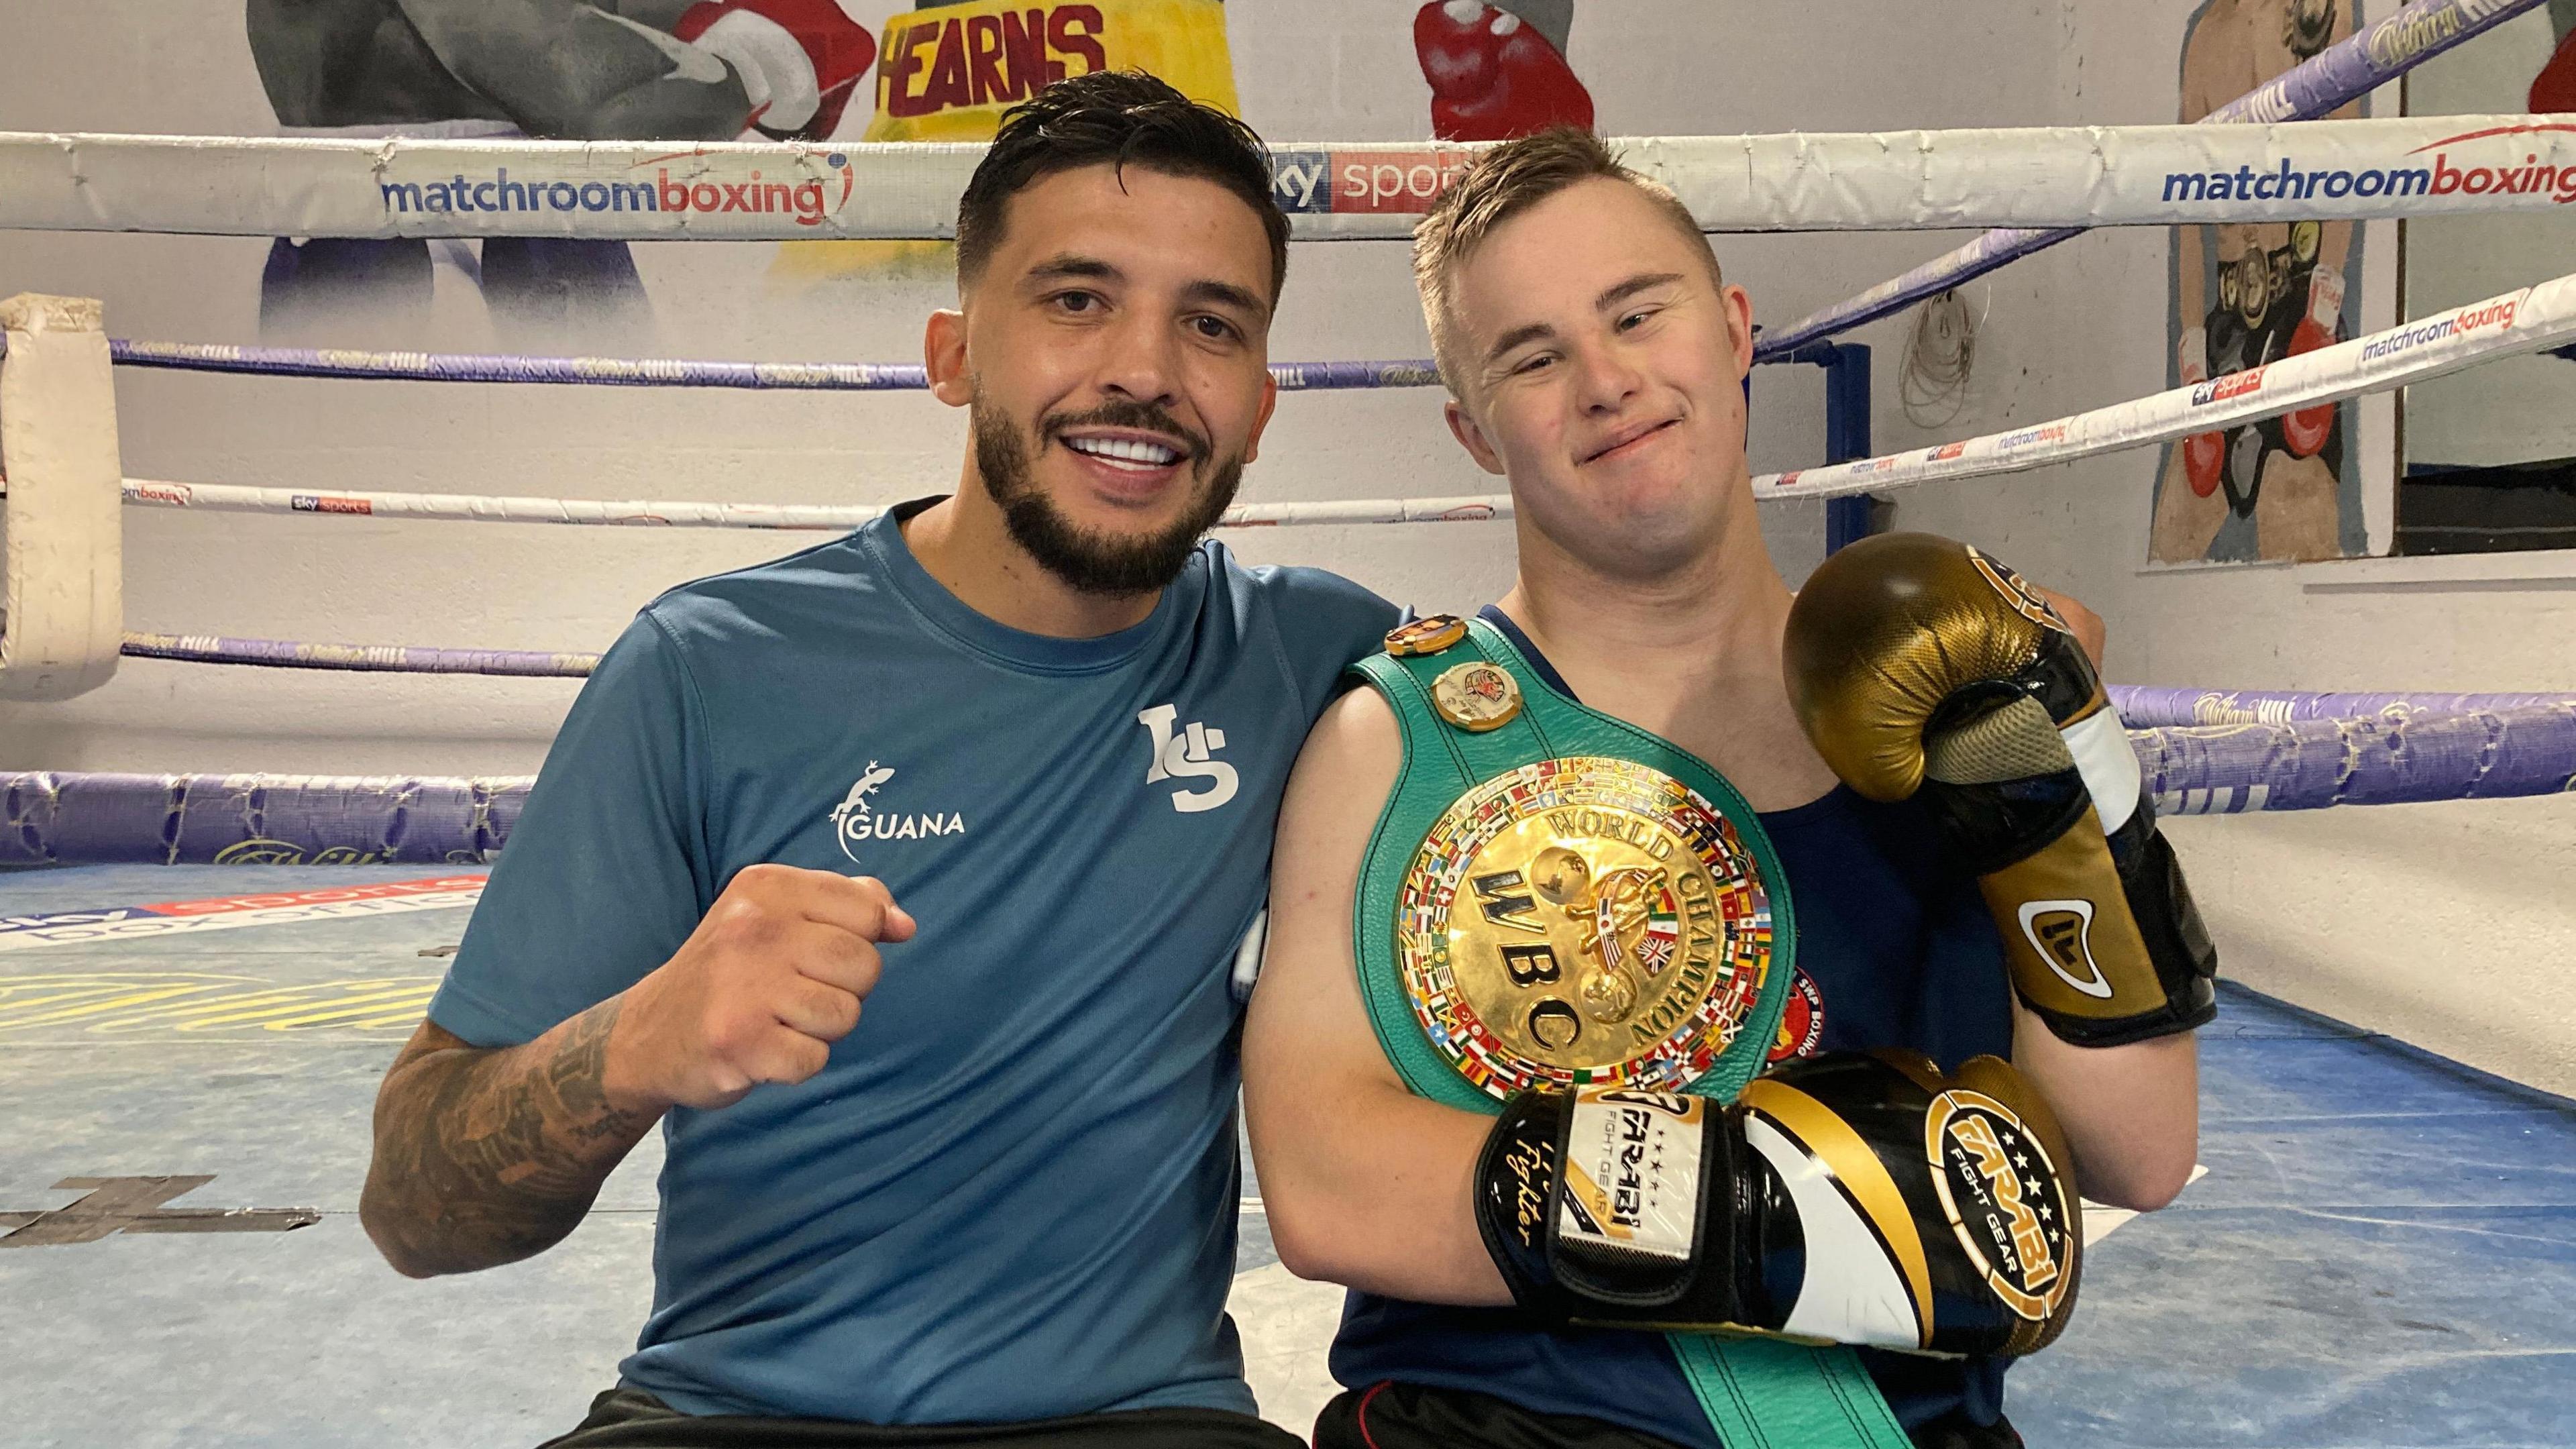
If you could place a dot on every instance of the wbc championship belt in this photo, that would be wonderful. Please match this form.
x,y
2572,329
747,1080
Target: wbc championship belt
x,y
1556,898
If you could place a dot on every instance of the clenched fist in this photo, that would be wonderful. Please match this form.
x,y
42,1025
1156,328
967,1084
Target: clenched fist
x,y
772,977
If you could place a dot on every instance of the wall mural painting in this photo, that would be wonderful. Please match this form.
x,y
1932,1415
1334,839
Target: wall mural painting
x,y
679,70
2554,89
2244,295
947,71
716,70
1497,72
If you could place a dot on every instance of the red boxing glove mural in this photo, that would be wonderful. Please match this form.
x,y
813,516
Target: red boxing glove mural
x,y
2553,90
2304,432
1493,76
799,60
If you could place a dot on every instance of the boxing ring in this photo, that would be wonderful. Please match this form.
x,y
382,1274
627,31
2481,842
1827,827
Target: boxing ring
x,y
397,850
2251,160
2288,758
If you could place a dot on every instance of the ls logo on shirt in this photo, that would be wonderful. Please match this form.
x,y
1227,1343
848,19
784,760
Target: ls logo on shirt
x,y
1189,754
856,819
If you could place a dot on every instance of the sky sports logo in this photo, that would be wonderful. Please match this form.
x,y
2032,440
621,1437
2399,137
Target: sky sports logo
x,y
2233,385
809,202
2442,177
1362,182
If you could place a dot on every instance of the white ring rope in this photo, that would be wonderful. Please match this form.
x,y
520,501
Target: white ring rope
x,y
2531,320
670,513
1896,180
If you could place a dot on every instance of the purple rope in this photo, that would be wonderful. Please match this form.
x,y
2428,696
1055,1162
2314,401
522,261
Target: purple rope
x,y
488,367
2371,57
253,819
1321,376
657,372
287,820
2143,707
375,658
2310,764
662,372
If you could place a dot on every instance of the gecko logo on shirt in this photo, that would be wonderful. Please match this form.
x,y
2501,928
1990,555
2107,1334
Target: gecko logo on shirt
x,y
855,820
1188,754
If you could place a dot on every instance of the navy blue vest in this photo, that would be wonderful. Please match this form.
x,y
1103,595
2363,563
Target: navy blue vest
x,y
1894,949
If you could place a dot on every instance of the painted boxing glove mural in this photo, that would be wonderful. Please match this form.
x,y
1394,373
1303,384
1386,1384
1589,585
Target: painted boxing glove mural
x,y
2554,89
629,70
1497,72
798,60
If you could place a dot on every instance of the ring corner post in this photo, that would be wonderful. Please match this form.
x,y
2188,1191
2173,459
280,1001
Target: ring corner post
x,y
62,605
1847,379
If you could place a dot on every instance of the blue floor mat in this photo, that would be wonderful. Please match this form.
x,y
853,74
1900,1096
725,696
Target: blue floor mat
x,y
2383,1252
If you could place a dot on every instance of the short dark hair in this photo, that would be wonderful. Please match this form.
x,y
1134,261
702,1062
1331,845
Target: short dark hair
x,y
1117,118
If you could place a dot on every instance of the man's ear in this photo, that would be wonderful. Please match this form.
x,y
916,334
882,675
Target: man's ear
x,y
1462,426
1739,325
1261,420
943,356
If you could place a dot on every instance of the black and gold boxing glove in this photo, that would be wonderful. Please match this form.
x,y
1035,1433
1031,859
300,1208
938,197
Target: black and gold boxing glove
x,y
1919,665
1854,1197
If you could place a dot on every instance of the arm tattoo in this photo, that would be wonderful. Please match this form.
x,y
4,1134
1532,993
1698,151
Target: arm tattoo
x,y
485,1157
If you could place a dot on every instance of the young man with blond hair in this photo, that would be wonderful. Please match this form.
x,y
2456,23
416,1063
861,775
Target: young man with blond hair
x,y
1595,357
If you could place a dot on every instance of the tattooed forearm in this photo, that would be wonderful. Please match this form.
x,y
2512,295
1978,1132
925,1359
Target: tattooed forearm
x,y
485,1157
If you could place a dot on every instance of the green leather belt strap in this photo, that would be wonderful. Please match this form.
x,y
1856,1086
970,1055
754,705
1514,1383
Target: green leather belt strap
x,y
1757,1393
1762,1393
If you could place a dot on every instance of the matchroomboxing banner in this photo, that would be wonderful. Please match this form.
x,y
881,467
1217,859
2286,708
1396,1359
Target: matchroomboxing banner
x,y
2040,176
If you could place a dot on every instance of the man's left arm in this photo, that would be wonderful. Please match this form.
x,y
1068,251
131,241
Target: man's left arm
x,y
1921,667
2131,1113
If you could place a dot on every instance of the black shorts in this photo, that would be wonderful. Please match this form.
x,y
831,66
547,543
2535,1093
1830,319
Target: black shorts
x,y
625,1418
1409,1416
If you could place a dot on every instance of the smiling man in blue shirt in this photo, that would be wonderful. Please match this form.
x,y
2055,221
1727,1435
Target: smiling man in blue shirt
x,y
899,879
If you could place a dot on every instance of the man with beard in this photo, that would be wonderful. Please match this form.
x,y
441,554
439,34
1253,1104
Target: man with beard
x,y
1001,767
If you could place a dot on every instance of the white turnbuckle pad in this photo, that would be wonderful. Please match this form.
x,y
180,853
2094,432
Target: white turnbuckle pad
x,y
62,580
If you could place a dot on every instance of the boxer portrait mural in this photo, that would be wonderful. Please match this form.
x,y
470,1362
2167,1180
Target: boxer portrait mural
x,y
2246,294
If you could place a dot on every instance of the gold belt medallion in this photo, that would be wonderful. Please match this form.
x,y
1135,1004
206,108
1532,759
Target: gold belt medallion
x,y
1582,920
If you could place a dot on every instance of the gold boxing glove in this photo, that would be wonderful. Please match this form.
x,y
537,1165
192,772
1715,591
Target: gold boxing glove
x,y
1853,1197
1919,665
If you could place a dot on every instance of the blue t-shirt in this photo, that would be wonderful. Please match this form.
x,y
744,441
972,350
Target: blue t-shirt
x,y
1012,1193
1894,949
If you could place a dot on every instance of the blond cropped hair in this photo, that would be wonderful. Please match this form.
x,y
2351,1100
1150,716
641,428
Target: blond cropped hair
x,y
1504,182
